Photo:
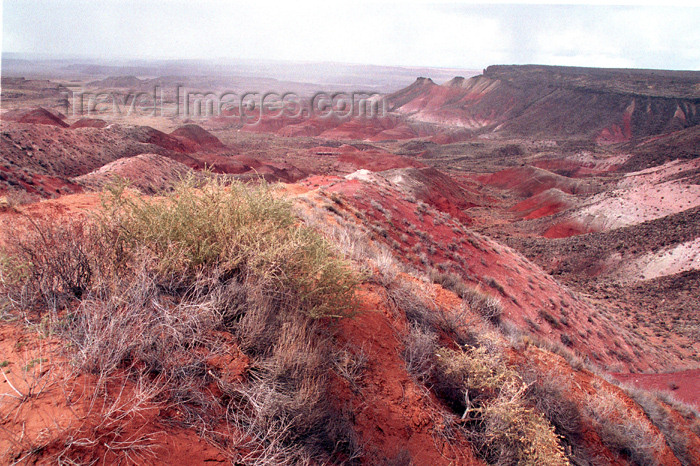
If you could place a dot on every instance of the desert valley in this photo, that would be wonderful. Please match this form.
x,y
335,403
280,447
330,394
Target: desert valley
x,y
495,268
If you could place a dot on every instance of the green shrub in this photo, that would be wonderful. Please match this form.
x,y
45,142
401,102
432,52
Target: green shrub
x,y
153,283
202,227
241,231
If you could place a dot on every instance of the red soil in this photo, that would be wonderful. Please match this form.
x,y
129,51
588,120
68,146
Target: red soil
x,y
618,133
198,138
568,228
544,204
529,181
391,411
61,413
526,292
89,123
38,115
372,128
376,160
34,183
579,386
684,385
437,189
361,128
267,124
159,138
308,127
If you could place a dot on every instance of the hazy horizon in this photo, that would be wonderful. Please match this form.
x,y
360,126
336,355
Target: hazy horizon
x,y
446,35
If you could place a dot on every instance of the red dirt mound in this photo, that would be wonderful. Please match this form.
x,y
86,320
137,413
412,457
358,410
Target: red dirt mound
x,y
376,160
199,136
150,173
38,115
544,204
89,123
435,188
569,228
529,181
153,136
55,151
426,238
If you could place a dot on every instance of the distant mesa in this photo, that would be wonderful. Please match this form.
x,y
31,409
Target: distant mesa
x,y
600,105
39,115
118,81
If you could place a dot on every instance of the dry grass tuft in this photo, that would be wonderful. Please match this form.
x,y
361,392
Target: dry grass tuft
x,y
653,405
151,282
420,345
623,430
495,413
487,306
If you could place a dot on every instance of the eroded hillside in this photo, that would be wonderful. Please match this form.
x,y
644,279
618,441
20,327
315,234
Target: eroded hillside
x,y
460,281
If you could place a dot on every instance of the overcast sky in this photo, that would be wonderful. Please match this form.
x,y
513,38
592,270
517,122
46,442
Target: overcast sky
x,y
386,33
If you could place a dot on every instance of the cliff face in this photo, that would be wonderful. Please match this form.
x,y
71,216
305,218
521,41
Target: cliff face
x,y
607,106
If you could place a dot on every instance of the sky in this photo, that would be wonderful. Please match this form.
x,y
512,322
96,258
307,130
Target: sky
x,y
450,34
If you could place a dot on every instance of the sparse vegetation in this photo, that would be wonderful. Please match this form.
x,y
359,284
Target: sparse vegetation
x,y
449,281
493,283
657,407
264,324
420,344
549,318
475,382
487,306
550,393
164,276
491,400
621,429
